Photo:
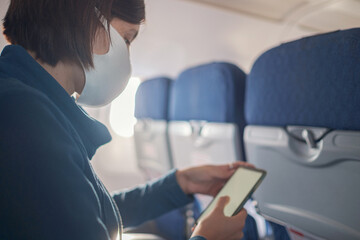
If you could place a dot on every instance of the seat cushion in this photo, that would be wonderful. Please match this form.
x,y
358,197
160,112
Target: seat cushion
x,y
314,81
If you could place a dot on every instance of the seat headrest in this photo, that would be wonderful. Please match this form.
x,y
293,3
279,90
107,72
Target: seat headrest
x,y
152,98
314,81
212,92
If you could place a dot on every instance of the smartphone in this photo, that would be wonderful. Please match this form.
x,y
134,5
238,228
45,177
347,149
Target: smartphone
x,y
239,188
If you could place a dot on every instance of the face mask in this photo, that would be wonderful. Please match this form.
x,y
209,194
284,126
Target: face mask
x,y
110,76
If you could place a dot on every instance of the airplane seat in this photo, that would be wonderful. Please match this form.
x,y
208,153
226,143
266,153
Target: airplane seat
x,y
205,122
303,112
150,132
153,153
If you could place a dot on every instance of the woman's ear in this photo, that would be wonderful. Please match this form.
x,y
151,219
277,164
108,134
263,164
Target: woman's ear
x,y
101,42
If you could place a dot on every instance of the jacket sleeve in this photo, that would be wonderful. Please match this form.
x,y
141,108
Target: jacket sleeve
x,y
44,193
151,200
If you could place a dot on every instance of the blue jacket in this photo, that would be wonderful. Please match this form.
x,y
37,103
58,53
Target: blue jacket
x,y
48,189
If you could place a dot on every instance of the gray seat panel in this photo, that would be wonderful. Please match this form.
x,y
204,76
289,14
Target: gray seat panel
x,y
316,190
216,143
152,149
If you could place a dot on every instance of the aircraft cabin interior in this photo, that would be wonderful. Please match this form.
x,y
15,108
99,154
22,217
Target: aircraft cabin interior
x,y
275,83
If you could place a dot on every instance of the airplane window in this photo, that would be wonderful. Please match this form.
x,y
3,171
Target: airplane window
x,y
122,119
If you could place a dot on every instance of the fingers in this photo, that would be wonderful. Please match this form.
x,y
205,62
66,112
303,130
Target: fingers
x,y
239,235
242,164
241,217
220,205
220,172
231,167
217,226
237,224
226,171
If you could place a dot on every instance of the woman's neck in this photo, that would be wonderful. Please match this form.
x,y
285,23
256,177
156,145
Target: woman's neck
x,y
69,75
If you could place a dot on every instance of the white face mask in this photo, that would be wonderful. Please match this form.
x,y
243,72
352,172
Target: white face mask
x,y
110,76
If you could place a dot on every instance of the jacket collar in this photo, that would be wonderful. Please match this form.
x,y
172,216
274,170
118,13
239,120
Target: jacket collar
x,y
17,63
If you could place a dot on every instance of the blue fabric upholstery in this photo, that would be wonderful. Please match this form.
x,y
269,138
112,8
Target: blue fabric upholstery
x,y
279,232
250,229
152,98
314,81
212,92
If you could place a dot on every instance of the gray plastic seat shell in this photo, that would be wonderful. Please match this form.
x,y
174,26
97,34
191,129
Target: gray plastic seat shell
x,y
194,143
316,190
152,147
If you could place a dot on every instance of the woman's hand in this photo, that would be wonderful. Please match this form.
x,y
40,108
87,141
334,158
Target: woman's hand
x,y
216,226
207,179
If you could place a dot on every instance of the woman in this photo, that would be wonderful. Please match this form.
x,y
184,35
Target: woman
x,y
48,188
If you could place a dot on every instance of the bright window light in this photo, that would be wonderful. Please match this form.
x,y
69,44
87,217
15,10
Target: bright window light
x,y
122,119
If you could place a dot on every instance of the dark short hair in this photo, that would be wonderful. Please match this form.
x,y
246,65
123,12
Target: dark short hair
x,y
131,11
56,30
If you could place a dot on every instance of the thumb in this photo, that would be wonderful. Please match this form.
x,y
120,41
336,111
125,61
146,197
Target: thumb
x,y
221,203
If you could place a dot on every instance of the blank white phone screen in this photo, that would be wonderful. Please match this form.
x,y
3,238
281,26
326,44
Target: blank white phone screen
x,y
237,188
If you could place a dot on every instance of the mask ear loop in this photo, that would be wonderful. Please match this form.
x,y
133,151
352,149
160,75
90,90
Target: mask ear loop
x,y
106,26
104,22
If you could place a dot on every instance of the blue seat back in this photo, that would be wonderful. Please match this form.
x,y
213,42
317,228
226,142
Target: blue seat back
x,y
211,92
152,99
310,82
